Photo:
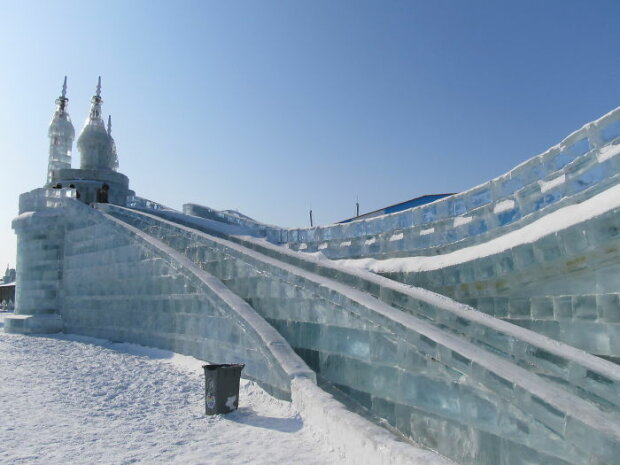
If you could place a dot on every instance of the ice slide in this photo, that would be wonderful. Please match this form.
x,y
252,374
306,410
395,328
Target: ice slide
x,y
472,387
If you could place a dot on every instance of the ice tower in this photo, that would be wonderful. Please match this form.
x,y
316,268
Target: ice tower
x,y
61,135
94,143
98,159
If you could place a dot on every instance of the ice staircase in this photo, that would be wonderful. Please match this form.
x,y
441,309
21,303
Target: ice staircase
x,y
476,389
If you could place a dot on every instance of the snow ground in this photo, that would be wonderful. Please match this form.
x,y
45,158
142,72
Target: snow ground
x,y
67,399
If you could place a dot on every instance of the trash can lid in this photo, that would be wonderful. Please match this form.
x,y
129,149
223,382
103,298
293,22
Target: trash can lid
x,y
215,366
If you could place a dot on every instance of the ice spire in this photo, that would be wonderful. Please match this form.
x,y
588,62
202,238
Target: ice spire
x,y
62,100
61,134
95,108
94,143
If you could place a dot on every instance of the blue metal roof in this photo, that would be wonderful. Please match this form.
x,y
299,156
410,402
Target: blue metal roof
x,y
422,200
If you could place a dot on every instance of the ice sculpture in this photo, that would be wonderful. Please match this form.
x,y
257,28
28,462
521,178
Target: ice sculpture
x,y
474,387
61,135
96,146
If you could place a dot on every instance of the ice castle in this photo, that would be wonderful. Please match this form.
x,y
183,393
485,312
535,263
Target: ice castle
x,y
482,328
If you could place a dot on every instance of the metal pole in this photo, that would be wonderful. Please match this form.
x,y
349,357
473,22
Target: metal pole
x,y
311,219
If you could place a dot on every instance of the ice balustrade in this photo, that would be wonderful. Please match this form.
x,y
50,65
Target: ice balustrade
x,y
441,390
42,198
252,226
576,370
135,201
576,167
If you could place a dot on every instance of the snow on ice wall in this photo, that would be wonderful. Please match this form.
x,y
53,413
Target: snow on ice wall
x,y
444,392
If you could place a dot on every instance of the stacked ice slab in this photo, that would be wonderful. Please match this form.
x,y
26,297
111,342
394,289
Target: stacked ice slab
x,y
40,241
538,246
476,391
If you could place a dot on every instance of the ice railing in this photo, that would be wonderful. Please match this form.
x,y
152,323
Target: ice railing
x,y
134,201
584,159
229,217
39,199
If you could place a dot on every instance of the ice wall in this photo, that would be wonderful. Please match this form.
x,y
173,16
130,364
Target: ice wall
x,y
40,241
432,385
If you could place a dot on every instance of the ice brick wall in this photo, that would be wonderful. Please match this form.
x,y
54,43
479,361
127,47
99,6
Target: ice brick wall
x,y
443,391
564,285
40,239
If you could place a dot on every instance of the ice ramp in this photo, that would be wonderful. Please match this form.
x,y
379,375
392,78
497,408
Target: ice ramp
x,y
476,389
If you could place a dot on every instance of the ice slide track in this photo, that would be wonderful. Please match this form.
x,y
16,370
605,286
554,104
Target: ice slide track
x,y
476,389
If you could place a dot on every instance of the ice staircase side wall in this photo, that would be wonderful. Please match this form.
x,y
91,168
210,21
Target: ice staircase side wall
x,y
443,391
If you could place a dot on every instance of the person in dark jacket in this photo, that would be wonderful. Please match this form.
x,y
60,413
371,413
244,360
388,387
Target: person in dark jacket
x,y
102,194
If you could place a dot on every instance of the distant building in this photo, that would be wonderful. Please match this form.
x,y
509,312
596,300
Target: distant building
x,y
424,199
7,286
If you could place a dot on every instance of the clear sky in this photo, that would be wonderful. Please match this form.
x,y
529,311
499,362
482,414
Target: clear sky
x,y
276,107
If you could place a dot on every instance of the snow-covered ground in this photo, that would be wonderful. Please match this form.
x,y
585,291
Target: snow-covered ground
x,y
68,399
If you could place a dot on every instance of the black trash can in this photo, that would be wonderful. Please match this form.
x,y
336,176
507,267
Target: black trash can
x,y
222,387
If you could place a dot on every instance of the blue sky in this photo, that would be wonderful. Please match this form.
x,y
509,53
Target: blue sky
x,y
276,107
